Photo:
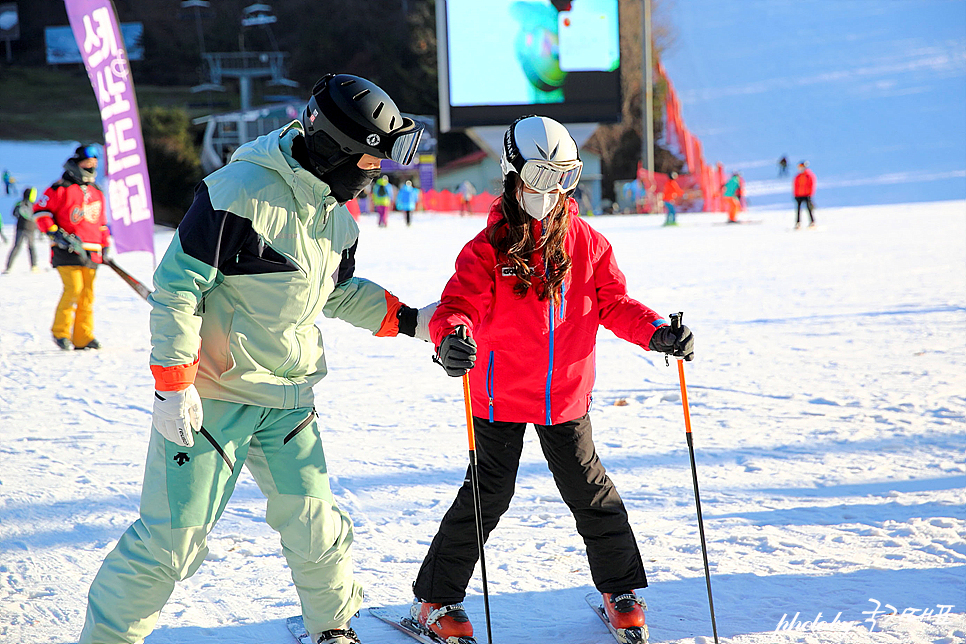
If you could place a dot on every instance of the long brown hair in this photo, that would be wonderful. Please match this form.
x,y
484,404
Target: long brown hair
x,y
513,237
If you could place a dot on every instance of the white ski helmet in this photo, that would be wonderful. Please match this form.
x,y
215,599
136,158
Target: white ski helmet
x,y
543,153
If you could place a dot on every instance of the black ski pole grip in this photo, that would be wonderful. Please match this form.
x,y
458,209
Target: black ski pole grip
x,y
676,320
676,328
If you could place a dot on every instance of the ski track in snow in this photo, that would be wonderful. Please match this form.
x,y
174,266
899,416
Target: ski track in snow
x,y
828,402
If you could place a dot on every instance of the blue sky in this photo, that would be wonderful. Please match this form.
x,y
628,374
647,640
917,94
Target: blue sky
x,y
871,93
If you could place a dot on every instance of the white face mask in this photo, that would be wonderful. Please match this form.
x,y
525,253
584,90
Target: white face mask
x,y
538,204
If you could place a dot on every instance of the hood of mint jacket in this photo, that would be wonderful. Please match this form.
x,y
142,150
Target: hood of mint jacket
x,y
263,251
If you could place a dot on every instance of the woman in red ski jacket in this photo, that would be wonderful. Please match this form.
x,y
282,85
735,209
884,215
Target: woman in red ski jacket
x,y
521,315
535,356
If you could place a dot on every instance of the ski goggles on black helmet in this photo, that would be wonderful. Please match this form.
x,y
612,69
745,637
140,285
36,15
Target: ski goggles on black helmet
x,y
398,142
545,176
86,152
405,144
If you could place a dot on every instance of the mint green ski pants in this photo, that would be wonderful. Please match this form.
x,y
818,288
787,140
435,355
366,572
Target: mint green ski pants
x,y
184,493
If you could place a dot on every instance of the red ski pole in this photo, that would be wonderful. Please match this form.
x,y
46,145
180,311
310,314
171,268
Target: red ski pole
x,y
475,482
676,324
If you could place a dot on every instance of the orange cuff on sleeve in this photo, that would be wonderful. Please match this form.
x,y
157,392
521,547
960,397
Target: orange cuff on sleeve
x,y
390,323
174,378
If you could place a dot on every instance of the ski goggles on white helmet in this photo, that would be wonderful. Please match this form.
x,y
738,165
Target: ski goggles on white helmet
x,y
543,153
546,176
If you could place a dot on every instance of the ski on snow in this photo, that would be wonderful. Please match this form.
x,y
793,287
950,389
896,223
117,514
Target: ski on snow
x,y
410,628
407,626
629,636
297,628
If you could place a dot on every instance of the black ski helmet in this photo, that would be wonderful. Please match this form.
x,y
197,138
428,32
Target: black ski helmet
x,y
77,173
349,116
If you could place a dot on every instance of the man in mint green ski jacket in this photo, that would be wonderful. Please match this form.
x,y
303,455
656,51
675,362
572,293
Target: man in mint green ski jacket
x,y
266,247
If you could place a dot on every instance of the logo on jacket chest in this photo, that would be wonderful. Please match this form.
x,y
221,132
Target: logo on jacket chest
x,y
513,271
90,212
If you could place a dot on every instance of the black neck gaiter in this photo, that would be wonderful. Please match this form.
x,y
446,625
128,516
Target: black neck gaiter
x,y
345,182
348,180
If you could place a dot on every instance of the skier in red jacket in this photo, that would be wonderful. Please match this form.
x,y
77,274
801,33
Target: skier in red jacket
x,y
71,212
804,189
672,190
527,297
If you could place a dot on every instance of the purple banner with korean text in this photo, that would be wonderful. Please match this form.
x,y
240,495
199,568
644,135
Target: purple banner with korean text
x,y
95,27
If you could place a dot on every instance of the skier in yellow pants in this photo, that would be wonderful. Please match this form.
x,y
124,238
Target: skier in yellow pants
x,y
74,317
71,213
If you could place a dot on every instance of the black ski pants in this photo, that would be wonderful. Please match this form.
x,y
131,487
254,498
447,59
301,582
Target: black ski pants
x,y
798,209
615,561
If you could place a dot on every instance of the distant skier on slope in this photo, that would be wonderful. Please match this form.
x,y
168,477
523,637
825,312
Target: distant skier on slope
x,y
732,197
23,212
804,188
382,198
466,193
265,249
406,200
9,183
672,190
531,290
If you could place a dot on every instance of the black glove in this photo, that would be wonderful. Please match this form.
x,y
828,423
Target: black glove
x,y
456,353
680,344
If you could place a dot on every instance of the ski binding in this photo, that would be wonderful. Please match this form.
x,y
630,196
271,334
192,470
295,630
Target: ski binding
x,y
633,635
412,628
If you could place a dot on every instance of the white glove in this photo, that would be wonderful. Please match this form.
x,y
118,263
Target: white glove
x,y
177,414
422,321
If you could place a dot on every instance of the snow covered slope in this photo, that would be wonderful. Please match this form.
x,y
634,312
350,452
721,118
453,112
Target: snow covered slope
x,y
871,93
828,400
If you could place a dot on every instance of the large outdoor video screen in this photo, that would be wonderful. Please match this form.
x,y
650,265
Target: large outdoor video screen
x,y
500,59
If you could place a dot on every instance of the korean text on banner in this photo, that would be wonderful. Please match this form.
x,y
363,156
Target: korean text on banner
x,y
95,27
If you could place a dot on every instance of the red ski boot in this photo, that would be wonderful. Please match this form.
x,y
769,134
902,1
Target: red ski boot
x,y
447,622
625,612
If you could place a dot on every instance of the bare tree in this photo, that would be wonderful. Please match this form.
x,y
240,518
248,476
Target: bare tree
x,y
619,145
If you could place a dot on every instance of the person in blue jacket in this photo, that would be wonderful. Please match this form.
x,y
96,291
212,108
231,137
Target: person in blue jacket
x,y
406,200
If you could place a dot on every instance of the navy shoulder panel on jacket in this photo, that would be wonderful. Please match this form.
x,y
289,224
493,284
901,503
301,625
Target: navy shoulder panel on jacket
x,y
347,265
226,241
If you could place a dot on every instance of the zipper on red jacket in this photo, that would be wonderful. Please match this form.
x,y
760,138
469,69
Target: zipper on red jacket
x,y
489,384
549,367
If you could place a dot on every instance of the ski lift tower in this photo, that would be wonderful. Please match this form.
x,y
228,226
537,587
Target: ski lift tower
x,y
198,5
246,66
